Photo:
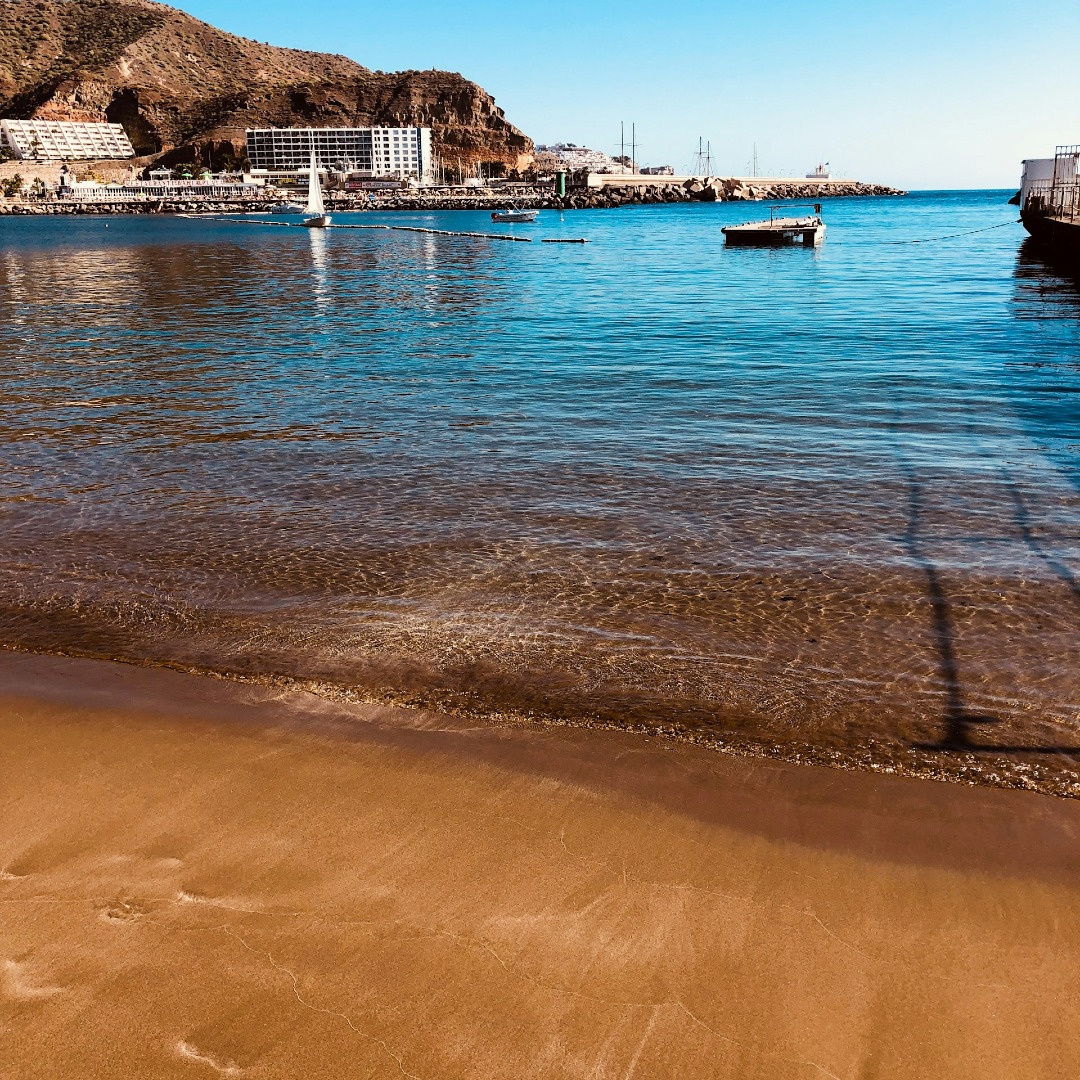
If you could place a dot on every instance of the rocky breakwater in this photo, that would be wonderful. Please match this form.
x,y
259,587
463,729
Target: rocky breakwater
x,y
713,189
336,203
538,198
735,189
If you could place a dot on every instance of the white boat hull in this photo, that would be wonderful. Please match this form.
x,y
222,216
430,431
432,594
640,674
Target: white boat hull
x,y
320,221
514,215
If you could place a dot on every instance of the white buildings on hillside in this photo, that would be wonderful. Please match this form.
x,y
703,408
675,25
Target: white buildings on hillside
x,y
575,157
377,152
64,140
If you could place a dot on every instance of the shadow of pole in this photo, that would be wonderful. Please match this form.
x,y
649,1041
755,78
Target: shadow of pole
x,y
1023,522
958,721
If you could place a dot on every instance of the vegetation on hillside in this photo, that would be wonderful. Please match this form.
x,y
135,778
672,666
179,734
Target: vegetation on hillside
x,y
41,47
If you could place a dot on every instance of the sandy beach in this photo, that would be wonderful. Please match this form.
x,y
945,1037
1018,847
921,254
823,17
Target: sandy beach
x,y
204,878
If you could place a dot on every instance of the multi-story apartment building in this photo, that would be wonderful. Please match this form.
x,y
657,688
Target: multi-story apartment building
x,y
376,152
64,140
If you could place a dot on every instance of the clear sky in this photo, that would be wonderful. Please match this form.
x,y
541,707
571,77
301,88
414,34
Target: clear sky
x,y
918,95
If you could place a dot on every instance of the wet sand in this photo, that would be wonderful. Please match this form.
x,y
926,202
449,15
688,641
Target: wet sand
x,y
202,878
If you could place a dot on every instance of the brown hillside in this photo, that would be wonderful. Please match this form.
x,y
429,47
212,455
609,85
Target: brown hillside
x,y
176,83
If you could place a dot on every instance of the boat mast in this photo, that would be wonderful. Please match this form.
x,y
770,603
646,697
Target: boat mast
x,y
703,158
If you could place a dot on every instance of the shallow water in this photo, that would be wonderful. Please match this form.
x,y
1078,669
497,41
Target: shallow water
x,y
816,503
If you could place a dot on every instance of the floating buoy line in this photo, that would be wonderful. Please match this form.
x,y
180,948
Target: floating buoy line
x,y
392,228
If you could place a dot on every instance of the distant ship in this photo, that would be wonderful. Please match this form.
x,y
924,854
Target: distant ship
x,y
1050,202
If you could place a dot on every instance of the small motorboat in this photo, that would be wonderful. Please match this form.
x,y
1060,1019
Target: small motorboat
x,y
286,208
514,215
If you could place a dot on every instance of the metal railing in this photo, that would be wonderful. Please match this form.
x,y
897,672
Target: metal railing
x,y
1059,196
156,194
1049,198
781,207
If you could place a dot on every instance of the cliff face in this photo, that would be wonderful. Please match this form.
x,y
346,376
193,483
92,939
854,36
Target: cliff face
x,y
178,84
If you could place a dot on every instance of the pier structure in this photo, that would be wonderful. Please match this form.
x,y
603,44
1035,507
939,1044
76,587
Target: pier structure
x,y
777,232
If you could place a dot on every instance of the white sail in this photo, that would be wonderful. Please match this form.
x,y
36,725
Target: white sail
x,y
314,198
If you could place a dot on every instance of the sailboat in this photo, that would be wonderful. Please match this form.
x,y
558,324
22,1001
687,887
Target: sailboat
x,y
315,215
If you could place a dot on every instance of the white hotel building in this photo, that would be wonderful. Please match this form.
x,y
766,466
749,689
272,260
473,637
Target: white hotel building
x,y
65,140
376,152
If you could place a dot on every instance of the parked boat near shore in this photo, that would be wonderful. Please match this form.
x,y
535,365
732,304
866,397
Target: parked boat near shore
x,y
514,214
1050,202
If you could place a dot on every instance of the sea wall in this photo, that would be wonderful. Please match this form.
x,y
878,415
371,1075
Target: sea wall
x,y
719,190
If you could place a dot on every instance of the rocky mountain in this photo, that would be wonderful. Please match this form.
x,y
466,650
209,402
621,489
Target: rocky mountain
x,y
181,86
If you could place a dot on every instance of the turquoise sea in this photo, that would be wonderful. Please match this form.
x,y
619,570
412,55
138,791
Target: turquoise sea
x,y
820,504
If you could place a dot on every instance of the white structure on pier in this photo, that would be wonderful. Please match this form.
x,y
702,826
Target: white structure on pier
x,y
153,190
402,153
1037,172
65,140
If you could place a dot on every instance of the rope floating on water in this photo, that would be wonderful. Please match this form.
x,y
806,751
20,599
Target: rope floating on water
x,y
949,236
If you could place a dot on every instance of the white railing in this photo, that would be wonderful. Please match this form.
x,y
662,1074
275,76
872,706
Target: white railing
x,y
1059,196
155,194
1054,198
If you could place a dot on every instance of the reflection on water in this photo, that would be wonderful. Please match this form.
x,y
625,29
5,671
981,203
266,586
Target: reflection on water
x,y
1053,282
824,507
320,266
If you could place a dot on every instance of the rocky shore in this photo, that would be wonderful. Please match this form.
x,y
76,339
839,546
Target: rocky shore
x,y
724,189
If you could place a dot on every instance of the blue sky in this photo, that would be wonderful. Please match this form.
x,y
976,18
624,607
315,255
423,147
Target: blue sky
x,y
917,95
